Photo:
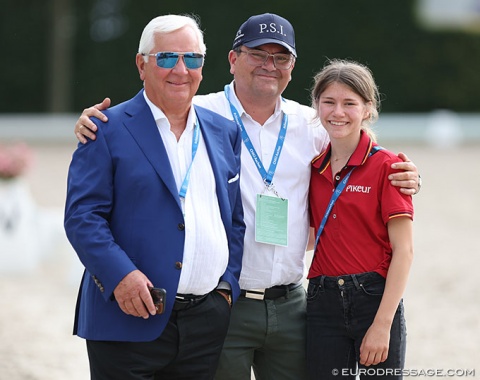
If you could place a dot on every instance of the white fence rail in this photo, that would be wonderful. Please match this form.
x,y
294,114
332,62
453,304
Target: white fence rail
x,y
438,127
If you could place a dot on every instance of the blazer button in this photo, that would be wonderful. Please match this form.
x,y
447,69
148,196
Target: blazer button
x,y
178,265
181,226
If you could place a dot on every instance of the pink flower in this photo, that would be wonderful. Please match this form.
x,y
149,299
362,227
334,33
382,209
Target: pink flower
x,y
14,160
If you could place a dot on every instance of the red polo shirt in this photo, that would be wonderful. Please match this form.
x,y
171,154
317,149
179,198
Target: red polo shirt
x,y
355,237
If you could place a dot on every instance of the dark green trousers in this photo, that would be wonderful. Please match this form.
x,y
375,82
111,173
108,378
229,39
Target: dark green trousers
x,y
268,336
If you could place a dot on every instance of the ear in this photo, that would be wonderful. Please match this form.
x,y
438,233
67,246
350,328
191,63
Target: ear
x,y
140,62
232,58
291,70
367,114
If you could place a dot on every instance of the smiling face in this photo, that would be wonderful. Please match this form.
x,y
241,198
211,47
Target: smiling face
x,y
342,111
172,89
259,82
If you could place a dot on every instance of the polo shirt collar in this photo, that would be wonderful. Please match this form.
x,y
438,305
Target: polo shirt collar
x,y
359,156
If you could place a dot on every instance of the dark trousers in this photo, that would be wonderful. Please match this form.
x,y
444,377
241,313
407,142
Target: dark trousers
x,y
267,335
189,347
339,312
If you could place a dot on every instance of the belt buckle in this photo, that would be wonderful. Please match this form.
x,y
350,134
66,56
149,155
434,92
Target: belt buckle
x,y
256,294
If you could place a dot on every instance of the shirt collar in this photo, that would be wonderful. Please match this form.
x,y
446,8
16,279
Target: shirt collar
x,y
359,156
280,106
161,119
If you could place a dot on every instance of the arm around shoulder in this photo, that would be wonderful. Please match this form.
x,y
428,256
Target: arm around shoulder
x,y
84,127
408,179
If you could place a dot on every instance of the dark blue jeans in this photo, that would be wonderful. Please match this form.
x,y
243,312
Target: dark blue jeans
x,y
339,312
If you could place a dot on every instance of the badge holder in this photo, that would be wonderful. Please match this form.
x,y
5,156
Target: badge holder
x,y
271,218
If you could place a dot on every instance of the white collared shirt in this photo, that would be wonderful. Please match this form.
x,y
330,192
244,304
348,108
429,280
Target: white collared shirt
x,y
267,265
205,256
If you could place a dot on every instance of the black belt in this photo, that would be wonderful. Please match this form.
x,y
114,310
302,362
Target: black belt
x,y
269,293
186,301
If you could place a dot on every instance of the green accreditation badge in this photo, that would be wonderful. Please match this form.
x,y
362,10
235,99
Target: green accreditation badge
x,y
271,220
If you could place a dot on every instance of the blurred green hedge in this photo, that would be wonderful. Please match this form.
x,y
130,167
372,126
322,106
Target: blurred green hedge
x,y
417,70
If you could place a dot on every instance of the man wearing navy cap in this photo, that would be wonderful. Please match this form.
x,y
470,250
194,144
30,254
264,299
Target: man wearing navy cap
x,y
267,327
264,29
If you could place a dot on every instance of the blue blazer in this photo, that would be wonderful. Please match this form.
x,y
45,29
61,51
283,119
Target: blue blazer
x,y
123,213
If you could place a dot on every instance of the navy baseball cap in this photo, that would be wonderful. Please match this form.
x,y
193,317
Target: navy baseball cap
x,y
266,28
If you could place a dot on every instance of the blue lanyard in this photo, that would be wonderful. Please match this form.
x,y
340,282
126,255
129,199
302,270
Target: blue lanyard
x,y
335,195
195,141
267,176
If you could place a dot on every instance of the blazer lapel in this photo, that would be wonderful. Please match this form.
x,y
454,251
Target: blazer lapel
x,y
143,129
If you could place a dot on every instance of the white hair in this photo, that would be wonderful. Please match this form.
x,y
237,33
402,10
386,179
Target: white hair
x,y
167,24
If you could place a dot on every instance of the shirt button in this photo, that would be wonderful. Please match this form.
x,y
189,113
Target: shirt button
x,y
181,226
178,265
334,216
341,281
337,178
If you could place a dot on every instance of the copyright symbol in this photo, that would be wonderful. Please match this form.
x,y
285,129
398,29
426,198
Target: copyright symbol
x,y
334,372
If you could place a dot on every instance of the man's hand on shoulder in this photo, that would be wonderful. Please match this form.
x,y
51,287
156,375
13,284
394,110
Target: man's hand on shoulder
x,y
409,180
84,127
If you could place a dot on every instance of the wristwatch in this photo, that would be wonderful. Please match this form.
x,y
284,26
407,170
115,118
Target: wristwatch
x,y
227,294
419,184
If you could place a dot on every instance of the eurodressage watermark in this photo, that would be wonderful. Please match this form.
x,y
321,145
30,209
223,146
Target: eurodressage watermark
x,y
428,372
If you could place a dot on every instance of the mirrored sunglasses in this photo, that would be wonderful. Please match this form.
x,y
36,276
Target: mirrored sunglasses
x,y
168,60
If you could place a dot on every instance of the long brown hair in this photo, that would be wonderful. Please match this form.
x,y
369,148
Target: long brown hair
x,y
358,78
